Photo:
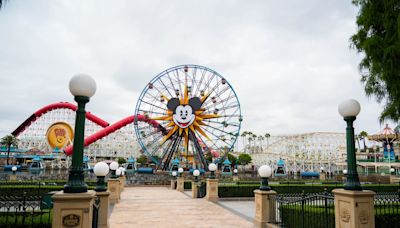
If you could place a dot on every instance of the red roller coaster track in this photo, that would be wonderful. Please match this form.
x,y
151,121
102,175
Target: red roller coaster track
x,y
51,107
114,127
107,128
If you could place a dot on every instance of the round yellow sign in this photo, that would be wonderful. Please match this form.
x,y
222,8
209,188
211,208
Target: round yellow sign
x,y
59,135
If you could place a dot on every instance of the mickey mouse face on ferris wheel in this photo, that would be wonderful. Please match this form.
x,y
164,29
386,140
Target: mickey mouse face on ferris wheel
x,y
184,115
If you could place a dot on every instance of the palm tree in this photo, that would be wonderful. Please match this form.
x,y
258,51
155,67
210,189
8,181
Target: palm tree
x,y
9,140
267,136
357,138
362,136
260,139
243,135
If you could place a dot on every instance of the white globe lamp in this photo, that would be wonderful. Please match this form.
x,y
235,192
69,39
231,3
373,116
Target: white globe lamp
x,y
101,170
349,109
196,174
82,85
265,172
212,167
113,167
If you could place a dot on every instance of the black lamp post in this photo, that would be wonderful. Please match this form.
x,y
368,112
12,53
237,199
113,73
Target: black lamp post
x,y
82,87
349,109
114,166
212,167
101,170
265,172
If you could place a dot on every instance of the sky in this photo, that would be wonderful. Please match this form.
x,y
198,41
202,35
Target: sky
x,y
290,62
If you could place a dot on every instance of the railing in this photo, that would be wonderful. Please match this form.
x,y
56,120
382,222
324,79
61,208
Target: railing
x,y
25,211
301,210
201,189
387,209
96,208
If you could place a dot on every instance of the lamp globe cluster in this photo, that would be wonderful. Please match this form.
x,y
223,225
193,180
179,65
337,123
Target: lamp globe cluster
x,y
14,168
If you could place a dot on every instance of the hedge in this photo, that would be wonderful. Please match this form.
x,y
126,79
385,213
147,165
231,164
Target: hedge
x,y
314,216
18,190
226,190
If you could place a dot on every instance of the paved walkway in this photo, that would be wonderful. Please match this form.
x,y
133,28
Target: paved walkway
x,y
162,207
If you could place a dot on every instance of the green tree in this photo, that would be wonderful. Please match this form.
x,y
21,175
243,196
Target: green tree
x,y
244,159
362,136
8,141
378,37
142,159
232,158
121,161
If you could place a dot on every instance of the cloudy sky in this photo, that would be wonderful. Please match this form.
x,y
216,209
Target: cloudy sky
x,y
289,61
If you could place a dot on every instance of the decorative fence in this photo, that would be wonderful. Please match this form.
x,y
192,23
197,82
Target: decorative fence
x,y
301,210
387,209
25,211
96,208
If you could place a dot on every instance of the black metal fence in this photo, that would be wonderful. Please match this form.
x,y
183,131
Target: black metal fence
x,y
387,209
25,211
96,208
301,210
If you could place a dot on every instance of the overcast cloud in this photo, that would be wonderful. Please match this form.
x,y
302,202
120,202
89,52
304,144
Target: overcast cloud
x,y
289,61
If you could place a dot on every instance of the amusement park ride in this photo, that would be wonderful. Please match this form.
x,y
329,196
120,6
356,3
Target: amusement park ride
x,y
183,114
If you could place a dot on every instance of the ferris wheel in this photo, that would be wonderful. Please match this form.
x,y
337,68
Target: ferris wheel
x,y
198,114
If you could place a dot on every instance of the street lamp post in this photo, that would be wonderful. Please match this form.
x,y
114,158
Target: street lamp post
x,y
265,172
196,174
82,87
212,167
180,171
114,167
101,170
349,109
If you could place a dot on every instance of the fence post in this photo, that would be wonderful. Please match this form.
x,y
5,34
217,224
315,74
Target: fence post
x,y
354,208
303,195
265,208
326,207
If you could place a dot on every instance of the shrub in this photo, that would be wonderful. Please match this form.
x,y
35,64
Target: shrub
x,y
314,216
246,190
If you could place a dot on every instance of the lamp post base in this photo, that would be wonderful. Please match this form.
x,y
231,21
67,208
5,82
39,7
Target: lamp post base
x,y
354,208
73,209
76,183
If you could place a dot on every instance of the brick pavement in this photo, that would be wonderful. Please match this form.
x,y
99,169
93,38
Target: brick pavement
x,y
162,207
